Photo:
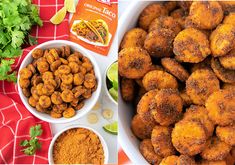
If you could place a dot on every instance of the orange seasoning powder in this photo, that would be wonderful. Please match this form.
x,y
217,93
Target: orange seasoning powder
x,y
78,146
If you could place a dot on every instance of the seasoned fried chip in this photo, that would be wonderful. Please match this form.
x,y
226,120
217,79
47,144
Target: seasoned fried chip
x,y
170,160
179,15
127,89
228,61
228,6
226,134
230,19
185,160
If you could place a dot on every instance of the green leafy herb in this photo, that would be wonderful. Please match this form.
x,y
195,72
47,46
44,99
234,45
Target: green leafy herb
x,y
5,69
32,145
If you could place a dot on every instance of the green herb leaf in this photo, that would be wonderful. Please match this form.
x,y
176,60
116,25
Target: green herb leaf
x,y
24,143
5,69
32,40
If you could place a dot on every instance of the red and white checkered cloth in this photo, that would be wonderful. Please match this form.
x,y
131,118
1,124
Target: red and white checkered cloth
x,y
15,119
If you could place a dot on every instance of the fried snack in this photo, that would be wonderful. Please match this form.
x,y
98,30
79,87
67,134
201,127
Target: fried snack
x,y
25,73
24,83
46,76
189,137
220,106
199,113
26,92
141,128
200,85
42,66
173,67
166,22
69,112
222,39
151,12
226,134
179,15
186,99
133,62
205,64
127,89
228,61
67,78
48,89
87,93
229,19
64,86
170,5
159,42
32,101
215,149
161,141
170,160
89,80
225,75
37,53
228,86
185,4
206,14
217,162
157,79
147,151
185,160
67,96
143,105
78,78
133,38
56,98
64,69
191,45
44,101
228,6
54,66
166,106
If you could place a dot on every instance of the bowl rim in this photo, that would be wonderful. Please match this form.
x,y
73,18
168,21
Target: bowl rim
x,y
91,103
103,142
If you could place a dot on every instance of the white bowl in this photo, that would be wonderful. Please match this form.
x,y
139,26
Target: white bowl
x,y
128,141
103,143
89,103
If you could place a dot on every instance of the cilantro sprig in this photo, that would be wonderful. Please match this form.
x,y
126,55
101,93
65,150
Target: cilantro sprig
x,y
32,145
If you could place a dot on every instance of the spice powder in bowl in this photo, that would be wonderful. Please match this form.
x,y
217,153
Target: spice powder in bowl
x,y
78,146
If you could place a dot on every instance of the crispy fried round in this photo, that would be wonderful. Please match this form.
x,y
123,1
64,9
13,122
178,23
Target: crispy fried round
x,y
32,101
140,128
199,113
127,89
186,99
166,106
67,78
87,93
215,149
226,134
228,61
170,160
191,45
179,16
25,73
222,39
216,162
143,105
26,92
54,66
161,141
78,78
228,6
205,64
189,137
47,76
175,68
221,107
133,38
206,14
185,4
69,112
74,67
133,62
158,79
170,5
56,98
67,95
225,75
146,149
24,83
149,13
37,53
42,66
89,80
229,86
48,89
159,42
200,85
44,101
64,69
229,19
185,160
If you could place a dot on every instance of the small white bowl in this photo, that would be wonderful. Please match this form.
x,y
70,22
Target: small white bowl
x,y
89,103
103,143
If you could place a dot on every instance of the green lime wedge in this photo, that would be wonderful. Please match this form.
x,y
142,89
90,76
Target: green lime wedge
x,y
115,85
112,73
111,128
113,93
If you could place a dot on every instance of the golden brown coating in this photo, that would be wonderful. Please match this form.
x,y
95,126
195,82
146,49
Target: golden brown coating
x,y
170,5
226,134
44,101
149,13
161,141
48,89
89,80
225,75
69,112
133,38
229,19
220,106
56,98
175,68
185,4
26,92
166,106
206,14
67,78
222,39
74,67
67,95
78,78
159,42
133,62
37,53
228,61
79,105
127,89
25,73
64,86
42,66
186,99
228,6
87,93
146,149
215,149
141,128
216,162
185,160
191,45
24,83
170,160
179,15
201,84
189,137
46,76
55,115
158,79
64,69
228,86
205,64
32,101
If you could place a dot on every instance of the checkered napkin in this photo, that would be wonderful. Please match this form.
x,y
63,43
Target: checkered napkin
x,y
15,119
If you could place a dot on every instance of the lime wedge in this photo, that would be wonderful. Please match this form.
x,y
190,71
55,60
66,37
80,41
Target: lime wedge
x,y
112,73
113,93
59,16
112,128
70,6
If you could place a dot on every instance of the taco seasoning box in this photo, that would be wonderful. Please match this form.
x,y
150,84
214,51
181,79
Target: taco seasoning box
x,y
94,24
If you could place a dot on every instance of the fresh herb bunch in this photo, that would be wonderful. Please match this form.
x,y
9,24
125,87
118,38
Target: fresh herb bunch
x,y
32,145
16,19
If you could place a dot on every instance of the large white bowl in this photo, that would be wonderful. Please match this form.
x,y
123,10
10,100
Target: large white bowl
x,y
89,103
103,143
128,141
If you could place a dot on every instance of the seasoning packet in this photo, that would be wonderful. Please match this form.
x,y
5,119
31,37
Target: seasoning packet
x,y
94,24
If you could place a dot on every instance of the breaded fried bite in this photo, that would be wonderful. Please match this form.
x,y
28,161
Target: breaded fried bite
x,y
166,106
226,134
179,15
205,64
217,162
221,107
191,45
161,141
133,62
185,4
127,89
229,19
228,6
170,5
186,99
185,160
228,61
228,86
170,160
201,84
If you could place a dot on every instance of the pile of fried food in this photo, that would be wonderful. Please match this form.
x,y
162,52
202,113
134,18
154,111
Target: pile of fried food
x,y
58,81
181,58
